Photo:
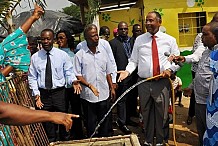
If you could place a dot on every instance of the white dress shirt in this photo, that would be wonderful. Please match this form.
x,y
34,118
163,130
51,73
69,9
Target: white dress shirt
x,y
104,44
198,49
93,68
61,65
142,54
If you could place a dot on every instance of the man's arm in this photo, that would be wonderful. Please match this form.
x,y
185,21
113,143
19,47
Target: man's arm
x,y
196,56
77,71
90,86
198,48
12,114
112,89
38,12
112,60
32,78
175,51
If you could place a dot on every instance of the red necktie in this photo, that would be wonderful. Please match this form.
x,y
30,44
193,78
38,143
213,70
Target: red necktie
x,y
155,58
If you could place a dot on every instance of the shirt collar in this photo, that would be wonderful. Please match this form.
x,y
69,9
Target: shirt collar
x,y
51,51
86,48
157,34
215,47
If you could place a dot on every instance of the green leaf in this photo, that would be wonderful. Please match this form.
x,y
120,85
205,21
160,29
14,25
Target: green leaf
x,y
132,22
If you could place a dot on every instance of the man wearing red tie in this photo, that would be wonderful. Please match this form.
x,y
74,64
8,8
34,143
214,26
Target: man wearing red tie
x,y
148,56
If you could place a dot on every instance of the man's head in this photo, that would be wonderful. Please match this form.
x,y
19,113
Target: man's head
x,y
173,76
136,30
47,39
214,29
153,22
210,34
32,44
104,32
215,18
123,29
91,35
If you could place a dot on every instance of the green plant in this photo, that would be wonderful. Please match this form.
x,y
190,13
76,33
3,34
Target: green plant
x,y
160,11
93,10
200,3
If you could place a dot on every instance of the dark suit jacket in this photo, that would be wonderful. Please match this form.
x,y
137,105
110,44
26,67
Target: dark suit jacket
x,y
120,56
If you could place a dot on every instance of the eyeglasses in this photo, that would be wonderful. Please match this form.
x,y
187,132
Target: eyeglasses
x,y
61,37
123,28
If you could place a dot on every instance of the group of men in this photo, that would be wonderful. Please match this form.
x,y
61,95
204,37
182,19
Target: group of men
x,y
102,71
95,66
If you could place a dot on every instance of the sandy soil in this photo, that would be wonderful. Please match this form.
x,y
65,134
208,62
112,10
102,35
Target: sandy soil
x,y
186,135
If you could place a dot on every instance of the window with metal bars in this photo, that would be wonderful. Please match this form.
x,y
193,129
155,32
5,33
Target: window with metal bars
x,y
190,24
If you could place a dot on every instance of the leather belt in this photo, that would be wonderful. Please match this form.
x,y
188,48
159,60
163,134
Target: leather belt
x,y
52,90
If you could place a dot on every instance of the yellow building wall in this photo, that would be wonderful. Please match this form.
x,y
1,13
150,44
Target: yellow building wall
x,y
112,18
170,10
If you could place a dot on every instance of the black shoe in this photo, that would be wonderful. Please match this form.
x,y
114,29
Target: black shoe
x,y
147,144
125,129
189,120
131,123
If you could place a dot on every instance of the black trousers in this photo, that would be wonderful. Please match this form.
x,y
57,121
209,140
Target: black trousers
x,y
200,113
93,113
121,105
131,101
76,132
127,106
54,101
191,109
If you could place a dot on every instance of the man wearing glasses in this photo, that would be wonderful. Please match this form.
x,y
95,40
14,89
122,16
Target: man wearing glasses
x,y
122,49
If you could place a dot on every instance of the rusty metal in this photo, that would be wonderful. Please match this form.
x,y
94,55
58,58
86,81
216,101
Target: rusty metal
x,y
15,90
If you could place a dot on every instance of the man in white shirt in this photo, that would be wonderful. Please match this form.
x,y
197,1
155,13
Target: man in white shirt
x,y
93,67
154,94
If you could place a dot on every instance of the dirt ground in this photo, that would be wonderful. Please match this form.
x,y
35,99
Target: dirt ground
x,y
186,135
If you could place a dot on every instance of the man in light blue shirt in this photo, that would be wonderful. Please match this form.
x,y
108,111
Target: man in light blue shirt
x,y
92,67
51,97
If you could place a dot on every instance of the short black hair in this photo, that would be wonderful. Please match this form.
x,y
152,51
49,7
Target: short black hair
x,y
47,29
103,30
215,17
70,38
214,29
135,25
121,23
32,39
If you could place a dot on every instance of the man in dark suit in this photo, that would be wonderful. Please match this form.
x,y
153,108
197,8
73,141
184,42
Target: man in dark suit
x,y
122,49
